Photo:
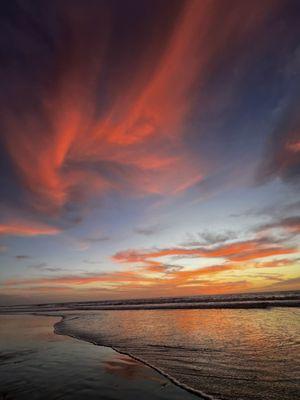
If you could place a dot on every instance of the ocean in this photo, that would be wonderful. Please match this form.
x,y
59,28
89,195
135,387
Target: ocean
x,y
217,352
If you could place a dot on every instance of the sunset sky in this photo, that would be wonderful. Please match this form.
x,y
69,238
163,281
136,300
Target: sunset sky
x,y
148,148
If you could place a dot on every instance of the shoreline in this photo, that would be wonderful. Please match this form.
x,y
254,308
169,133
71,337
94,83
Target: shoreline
x,y
173,380
189,389
86,327
148,378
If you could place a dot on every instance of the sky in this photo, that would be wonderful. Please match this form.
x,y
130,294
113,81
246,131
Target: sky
x,y
148,148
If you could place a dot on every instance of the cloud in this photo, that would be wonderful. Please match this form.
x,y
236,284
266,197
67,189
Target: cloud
x,y
116,278
209,238
45,267
286,284
27,228
20,257
284,262
62,153
238,251
289,224
273,210
148,230
156,278
99,121
3,248
91,262
282,153
172,281
97,239
126,279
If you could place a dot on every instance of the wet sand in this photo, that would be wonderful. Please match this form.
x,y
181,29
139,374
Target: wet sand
x,y
35,363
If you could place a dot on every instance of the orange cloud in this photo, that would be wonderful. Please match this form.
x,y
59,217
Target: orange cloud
x,y
153,278
78,142
126,279
285,262
63,293
50,158
240,251
135,283
156,274
27,228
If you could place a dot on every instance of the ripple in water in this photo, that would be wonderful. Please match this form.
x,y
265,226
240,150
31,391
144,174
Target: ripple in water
x,y
224,354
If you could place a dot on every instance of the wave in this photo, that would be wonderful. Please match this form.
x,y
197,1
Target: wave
x,y
61,331
215,354
228,301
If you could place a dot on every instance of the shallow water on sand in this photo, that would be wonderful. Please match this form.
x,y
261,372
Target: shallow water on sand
x,y
37,364
227,354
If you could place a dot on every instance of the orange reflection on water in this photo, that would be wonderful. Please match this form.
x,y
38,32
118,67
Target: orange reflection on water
x,y
24,328
216,328
124,367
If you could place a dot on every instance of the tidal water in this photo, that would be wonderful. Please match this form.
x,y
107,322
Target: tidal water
x,y
235,354
227,347
36,364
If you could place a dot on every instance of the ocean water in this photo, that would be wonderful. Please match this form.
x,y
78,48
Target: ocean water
x,y
241,300
226,347
36,364
228,354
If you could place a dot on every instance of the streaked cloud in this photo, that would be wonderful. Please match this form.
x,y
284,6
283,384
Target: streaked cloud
x,y
209,238
149,230
27,228
133,134
237,251
289,224
20,257
282,153
3,248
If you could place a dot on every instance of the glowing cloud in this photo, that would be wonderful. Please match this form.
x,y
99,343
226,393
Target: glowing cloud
x,y
27,228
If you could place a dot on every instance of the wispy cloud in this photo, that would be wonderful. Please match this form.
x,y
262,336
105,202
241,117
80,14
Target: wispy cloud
x,y
129,136
96,239
282,154
3,248
20,257
289,224
44,267
131,141
238,251
209,238
26,228
149,230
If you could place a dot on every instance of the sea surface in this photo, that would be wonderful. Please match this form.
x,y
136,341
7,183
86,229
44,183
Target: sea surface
x,y
218,347
36,364
219,353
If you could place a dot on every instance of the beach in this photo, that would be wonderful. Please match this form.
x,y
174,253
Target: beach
x,y
35,363
219,353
